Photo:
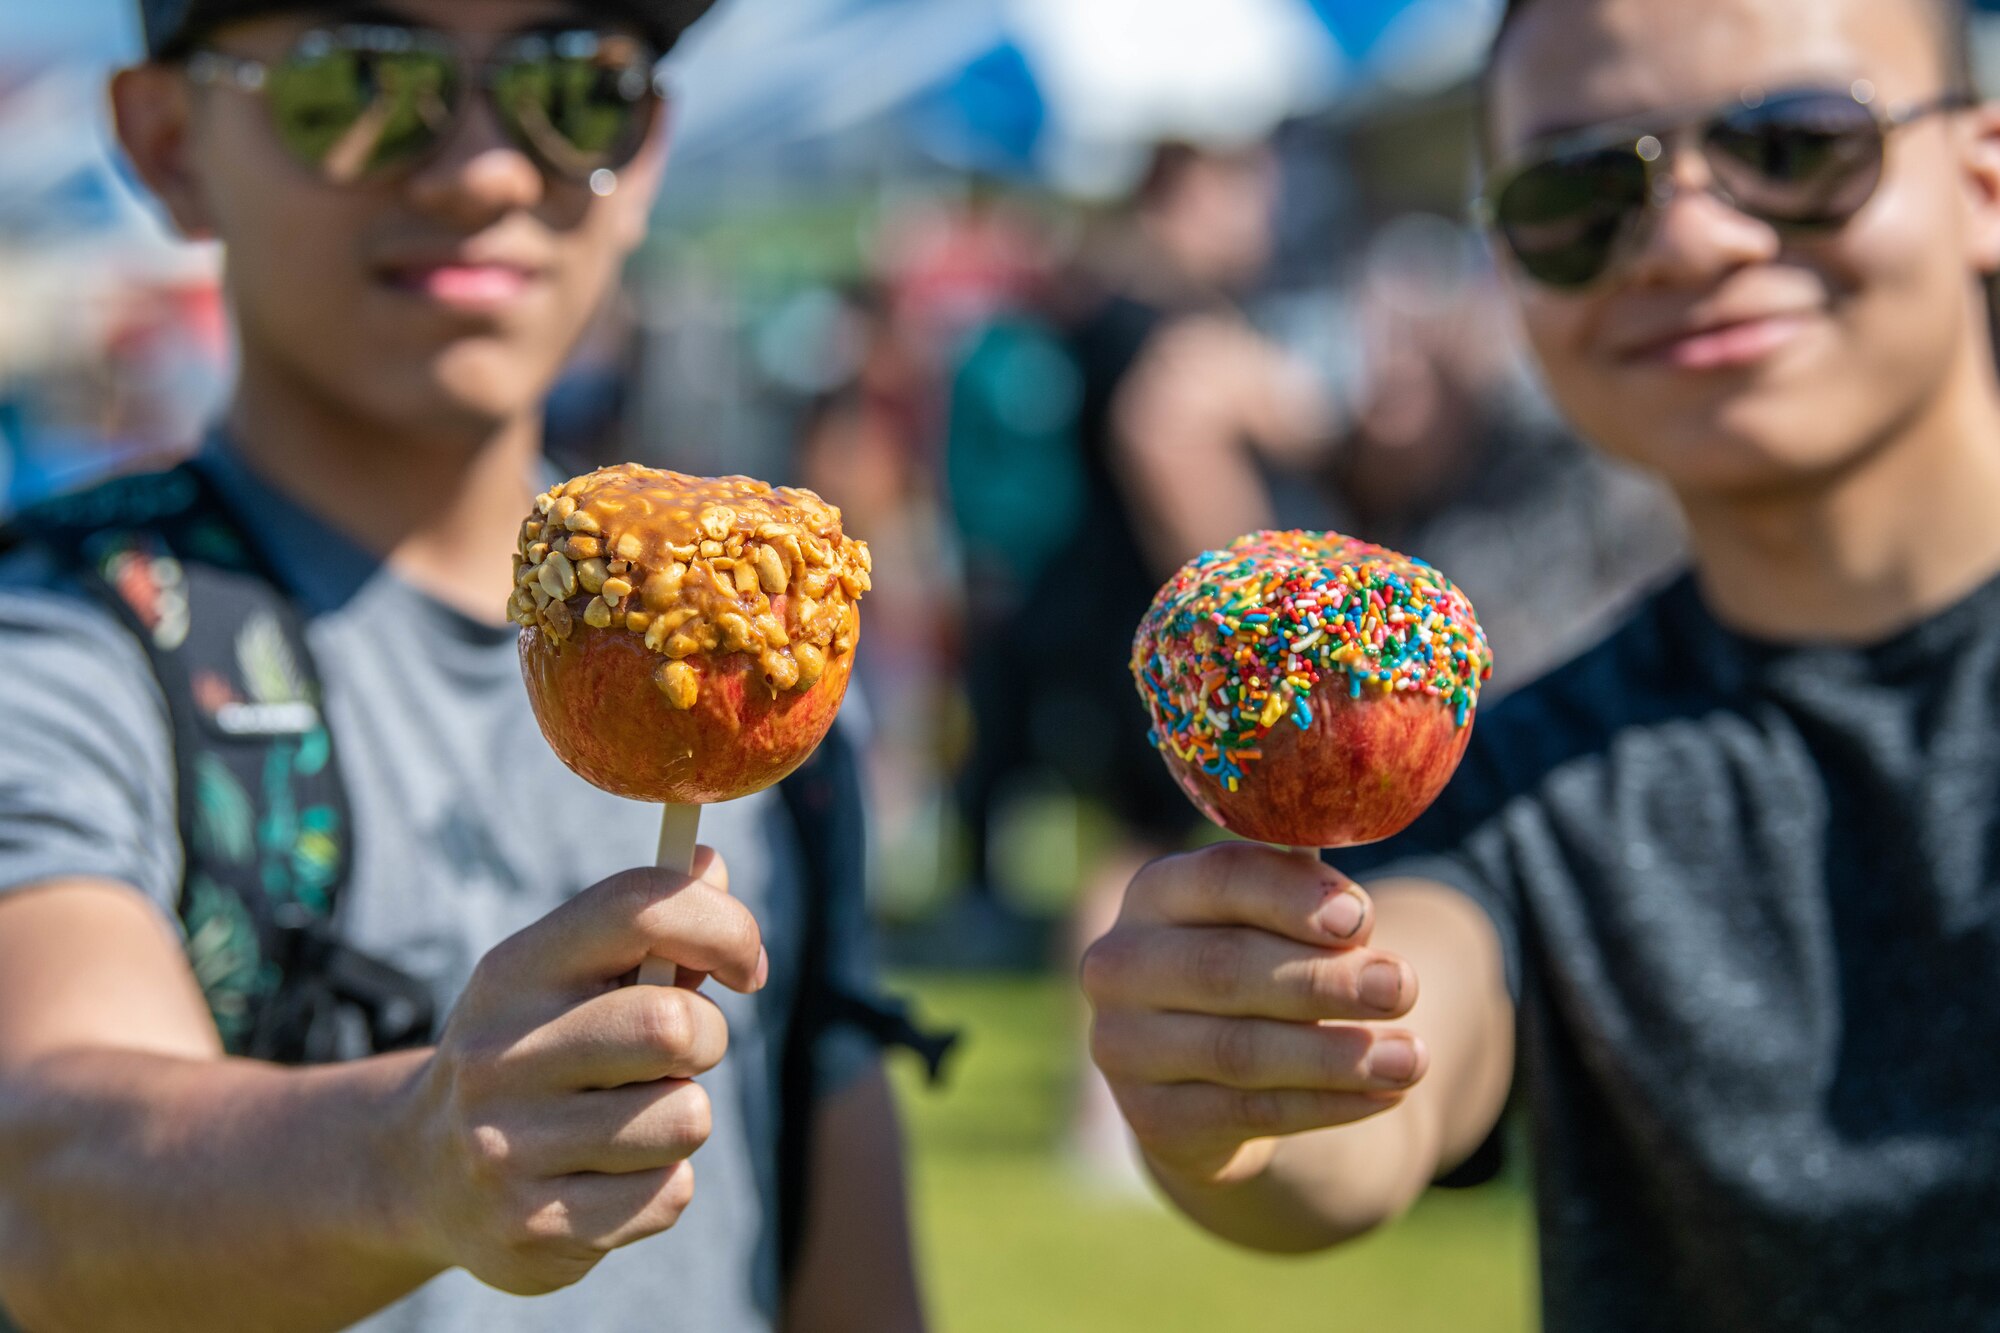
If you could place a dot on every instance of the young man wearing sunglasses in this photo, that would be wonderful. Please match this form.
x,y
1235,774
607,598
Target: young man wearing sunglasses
x,y
1728,885
421,204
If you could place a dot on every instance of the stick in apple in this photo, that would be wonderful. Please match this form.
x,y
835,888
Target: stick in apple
x,y
679,826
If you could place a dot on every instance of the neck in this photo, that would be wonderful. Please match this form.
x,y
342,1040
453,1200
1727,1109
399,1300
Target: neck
x,y
1887,542
440,506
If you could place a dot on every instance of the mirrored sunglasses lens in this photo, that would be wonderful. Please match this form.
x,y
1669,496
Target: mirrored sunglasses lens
x,y
358,101
1563,218
577,101
1806,161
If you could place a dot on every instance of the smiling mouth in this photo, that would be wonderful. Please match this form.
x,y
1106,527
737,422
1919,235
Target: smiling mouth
x,y
1731,346
462,286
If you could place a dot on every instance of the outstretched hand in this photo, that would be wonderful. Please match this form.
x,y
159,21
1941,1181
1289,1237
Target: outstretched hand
x,y
1236,1000
558,1114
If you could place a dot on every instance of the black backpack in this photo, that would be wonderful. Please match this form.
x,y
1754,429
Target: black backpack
x,y
264,817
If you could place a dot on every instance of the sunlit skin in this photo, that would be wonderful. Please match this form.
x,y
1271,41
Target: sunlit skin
x,y
436,312
1798,393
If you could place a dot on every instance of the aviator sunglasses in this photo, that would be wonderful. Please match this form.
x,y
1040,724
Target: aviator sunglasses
x,y
1803,161
360,101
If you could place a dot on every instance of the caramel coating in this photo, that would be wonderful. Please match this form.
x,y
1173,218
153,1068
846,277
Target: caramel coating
x,y
709,566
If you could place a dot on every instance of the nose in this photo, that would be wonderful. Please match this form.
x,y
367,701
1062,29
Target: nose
x,y
1694,235
478,174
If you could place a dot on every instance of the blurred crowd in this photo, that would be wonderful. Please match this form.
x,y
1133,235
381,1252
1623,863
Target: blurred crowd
x,y
1034,408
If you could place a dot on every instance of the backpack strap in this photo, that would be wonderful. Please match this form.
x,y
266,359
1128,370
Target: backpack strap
x,y
824,801
264,820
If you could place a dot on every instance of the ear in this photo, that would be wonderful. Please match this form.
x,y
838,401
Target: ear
x,y
152,108
1980,159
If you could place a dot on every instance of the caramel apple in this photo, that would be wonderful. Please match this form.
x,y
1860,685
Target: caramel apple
x,y
1310,690
686,640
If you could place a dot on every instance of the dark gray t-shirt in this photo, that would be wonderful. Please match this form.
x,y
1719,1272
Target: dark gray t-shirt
x,y
467,828
1750,898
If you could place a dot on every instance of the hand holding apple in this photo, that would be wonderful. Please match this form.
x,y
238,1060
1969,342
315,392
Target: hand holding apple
x,y
1238,1000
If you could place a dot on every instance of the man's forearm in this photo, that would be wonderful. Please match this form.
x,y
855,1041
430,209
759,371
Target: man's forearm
x,y
1318,1190
155,1193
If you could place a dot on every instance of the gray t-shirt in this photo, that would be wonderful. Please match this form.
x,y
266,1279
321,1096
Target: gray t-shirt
x,y
466,829
1750,899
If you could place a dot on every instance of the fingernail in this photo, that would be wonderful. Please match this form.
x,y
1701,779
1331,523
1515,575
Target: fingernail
x,y
1342,915
1381,985
1393,1060
763,968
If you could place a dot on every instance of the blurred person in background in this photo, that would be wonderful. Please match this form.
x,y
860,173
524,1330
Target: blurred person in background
x,y
1727,882
1176,406
422,204
869,445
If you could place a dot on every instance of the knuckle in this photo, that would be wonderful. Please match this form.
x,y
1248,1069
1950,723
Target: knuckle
x,y
1261,1112
1230,865
490,1151
1215,965
664,1021
1235,1051
1149,1116
496,964
543,1228
1103,966
1159,876
1339,1061
1205,886
636,892
1110,1047
1327,979
690,1118
543,1248
678,1193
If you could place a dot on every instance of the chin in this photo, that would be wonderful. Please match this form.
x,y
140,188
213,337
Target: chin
x,y
491,383
451,401
1743,444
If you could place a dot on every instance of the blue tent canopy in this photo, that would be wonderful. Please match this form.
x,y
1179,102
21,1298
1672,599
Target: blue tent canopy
x,y
994,84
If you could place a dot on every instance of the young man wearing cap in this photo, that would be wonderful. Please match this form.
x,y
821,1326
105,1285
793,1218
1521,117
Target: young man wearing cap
x,y
421,203
1730,882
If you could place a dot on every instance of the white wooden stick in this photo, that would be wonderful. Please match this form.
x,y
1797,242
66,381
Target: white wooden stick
x,y
679,825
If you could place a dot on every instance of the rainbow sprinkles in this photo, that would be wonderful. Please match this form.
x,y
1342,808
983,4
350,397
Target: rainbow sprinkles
x,y
1235,645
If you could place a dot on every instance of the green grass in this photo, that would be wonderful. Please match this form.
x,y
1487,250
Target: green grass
x,y
1010,1240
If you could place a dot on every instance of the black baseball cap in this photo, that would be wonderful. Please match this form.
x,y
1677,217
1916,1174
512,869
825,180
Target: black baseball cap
x,y
172,26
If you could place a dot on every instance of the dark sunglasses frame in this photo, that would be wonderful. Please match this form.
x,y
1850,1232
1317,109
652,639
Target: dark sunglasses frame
x,y
1653,141
640,84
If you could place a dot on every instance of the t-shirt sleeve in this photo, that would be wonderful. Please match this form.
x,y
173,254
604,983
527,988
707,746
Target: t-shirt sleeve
x,y
1459,842
86,755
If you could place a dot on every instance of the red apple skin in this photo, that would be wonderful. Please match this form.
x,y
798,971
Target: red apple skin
x,y
1363,772
594,696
